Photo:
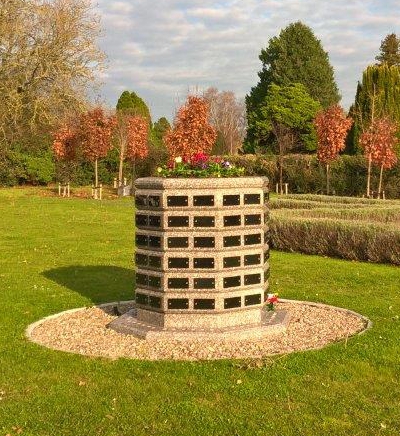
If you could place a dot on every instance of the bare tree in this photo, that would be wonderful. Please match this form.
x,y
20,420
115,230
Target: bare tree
x,y
48,62
228,116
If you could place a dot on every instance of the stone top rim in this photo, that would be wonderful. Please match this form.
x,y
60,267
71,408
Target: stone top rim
x,y
201,183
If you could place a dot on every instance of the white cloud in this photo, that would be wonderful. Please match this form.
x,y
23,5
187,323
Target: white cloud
x,y
160,49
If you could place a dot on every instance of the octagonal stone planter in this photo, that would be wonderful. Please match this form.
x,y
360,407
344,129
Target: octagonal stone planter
x,y
201,258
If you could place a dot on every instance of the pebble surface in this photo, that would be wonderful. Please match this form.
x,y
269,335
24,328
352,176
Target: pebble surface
x,y
85,332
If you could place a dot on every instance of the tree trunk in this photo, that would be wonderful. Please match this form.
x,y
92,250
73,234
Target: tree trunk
x,y
96,174
369,175
281,174
327,179
380,182
120,168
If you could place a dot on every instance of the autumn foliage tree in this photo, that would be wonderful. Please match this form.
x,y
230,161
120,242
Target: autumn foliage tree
x,y
131,136
331,126
191,132
379,142
95,131
64,143
137,140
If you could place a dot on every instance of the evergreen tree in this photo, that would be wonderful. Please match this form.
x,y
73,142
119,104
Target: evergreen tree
x,y
130,103
295,56
287,115
378,95
160,128
389,51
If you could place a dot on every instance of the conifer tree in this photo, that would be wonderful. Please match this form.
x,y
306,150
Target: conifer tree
x,y
389,51
378,95
130,103
295,56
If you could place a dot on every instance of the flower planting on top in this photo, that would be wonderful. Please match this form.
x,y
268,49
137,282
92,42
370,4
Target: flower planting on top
x,y
200,165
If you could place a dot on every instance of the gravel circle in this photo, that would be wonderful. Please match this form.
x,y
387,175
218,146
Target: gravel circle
x,y
84,331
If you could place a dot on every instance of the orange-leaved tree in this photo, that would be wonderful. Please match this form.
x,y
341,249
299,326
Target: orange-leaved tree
x,y
331,126
379,142
95,131
64,146
64,142
137,140
191,132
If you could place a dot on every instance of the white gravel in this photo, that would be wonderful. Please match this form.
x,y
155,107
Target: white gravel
x,y
84,332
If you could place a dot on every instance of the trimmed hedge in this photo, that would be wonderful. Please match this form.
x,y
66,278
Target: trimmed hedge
x,y
305,174
336,238
349,228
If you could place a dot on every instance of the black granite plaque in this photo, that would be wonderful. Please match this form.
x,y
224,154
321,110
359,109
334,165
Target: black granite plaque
x,y
141,259
232,220
178,221
252,220
266,237
204,303
141,220
177,200
178,242
231,200
204,242
155,241
204,283
231,241
204,221
178,262
141,200
142,279
232,302
203,262
155,261
153,201
154,221
141,240
154,301
155,282
250,300
178,283
178,303
232,282
252,199
252,239
203,200
252,279
141,299
231,262
252,259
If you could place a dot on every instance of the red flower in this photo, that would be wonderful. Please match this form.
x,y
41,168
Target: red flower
x,y
199,158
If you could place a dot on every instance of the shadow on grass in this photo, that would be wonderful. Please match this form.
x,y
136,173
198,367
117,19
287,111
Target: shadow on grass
x,y
100,283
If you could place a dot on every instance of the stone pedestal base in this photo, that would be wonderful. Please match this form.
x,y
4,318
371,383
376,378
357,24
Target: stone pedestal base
x,y
270,322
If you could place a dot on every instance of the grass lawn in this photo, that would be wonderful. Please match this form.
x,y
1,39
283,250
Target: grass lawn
x,y
58,254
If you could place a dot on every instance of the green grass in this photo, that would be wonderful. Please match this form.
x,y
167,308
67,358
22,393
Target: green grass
x,y
58,254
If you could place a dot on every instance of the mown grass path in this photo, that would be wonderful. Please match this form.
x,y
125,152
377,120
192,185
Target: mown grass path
x,y
58,254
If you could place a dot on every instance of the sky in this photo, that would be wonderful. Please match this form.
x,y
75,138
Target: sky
x,y
164,49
